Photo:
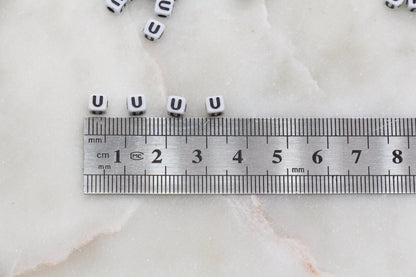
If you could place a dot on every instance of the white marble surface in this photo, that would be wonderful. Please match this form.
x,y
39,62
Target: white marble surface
x,y
268,58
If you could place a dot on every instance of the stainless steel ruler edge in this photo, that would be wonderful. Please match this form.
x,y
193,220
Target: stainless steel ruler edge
x,y
401,131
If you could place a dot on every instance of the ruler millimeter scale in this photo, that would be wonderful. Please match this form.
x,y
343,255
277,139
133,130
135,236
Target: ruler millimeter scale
x,y
139,155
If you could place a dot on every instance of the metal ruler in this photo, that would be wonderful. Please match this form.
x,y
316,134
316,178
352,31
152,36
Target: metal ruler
x,y
140,155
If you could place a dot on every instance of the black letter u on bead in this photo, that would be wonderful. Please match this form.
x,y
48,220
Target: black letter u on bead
x,y
218,103
178,107
151,28
161,3
133,102
115,3
94,101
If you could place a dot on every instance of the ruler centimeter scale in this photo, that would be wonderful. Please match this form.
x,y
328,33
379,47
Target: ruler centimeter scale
x,y
139,155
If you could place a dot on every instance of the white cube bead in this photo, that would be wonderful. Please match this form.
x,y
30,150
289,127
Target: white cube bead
x,y
98,103
411,5
153,29
394,4
116,6
164,8
176,105
214,105
136,104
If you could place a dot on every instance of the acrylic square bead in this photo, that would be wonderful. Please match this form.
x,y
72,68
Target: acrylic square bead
x,y
136,104
394,4
411,5
164,8
153,30
214,105
116,6
98,103
176,106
